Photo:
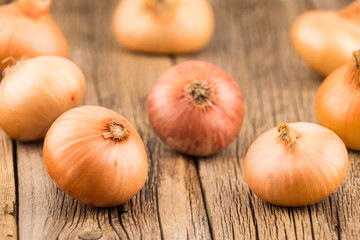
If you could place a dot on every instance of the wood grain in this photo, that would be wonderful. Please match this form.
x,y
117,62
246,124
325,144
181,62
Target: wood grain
x,y
8,206
183,197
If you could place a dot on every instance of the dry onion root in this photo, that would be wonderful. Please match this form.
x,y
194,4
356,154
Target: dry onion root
x,y
27,29
96,156
295,164
35,91
337,103
163,26
326,39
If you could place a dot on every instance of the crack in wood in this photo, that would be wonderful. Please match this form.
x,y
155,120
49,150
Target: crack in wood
x,y
16,178
158,213
61,210
203,198
131,212
120,211
311,223
250,197
337,226
292,217
112,222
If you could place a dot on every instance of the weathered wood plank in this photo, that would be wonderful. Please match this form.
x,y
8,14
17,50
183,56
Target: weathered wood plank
x,y
4,1
44,211
8,206
330,5
186,209
348,207
252,43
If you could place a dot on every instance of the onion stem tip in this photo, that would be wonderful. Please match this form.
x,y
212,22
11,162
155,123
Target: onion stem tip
x,y
356,55
285,133
116,130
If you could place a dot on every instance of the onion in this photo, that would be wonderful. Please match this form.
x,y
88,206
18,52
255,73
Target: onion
x,y
296,164
326,39
196,108
337,103
96,156
163,26
34,92
27,29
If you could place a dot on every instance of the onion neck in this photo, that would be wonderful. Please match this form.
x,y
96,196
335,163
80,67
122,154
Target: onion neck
x,y
287,134
351,12
353,72
199,94
34,8
162,7
116,130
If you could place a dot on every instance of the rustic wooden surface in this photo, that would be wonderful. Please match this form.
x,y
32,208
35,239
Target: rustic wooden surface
x,y
184,197
8,226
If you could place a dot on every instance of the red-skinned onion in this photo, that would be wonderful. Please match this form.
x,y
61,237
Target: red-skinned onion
x,y
196,108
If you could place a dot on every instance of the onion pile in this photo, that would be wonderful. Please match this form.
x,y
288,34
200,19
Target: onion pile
x,y
96,156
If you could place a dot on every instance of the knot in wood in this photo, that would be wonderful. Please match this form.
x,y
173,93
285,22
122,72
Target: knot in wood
x,y
90,235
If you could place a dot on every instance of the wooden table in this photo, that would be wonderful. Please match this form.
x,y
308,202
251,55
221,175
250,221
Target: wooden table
x,y
184,197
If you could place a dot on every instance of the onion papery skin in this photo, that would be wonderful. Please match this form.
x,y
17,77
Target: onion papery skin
x,y
326,39
187,26
337,105
94,170
34,92
191,129
27,31
296,174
